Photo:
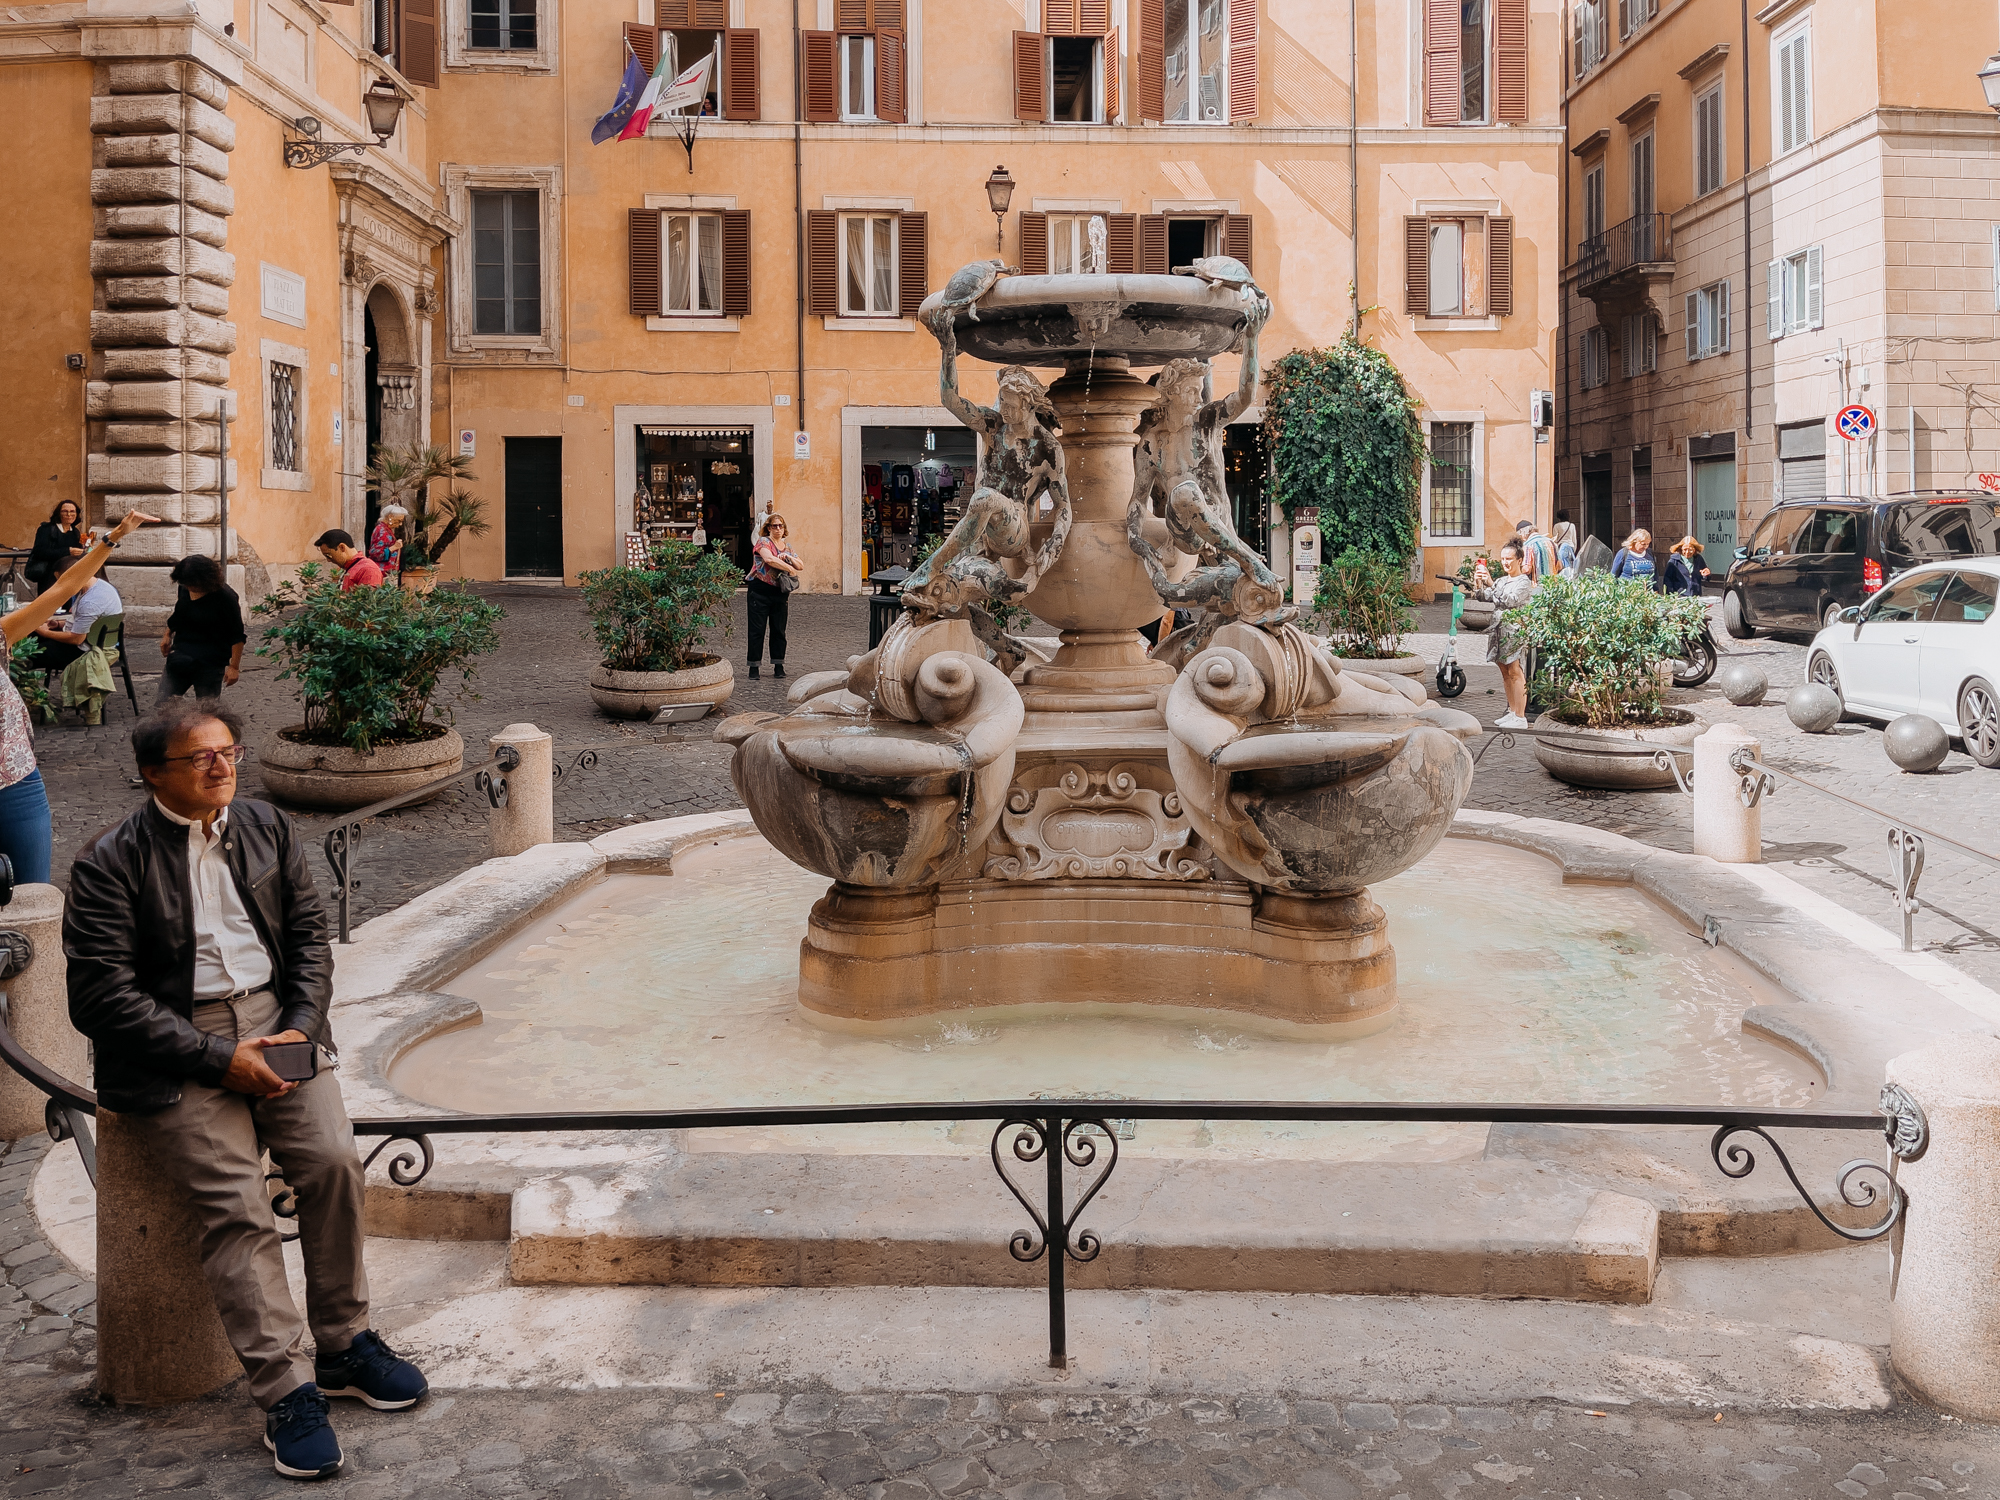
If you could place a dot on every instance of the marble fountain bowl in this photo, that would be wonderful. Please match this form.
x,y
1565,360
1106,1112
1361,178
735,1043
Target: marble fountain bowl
x,y
1055,320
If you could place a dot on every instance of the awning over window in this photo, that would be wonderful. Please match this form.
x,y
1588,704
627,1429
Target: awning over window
x,y
697,432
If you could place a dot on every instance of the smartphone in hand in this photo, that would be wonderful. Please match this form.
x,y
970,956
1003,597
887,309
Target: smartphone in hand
x,y
294,1062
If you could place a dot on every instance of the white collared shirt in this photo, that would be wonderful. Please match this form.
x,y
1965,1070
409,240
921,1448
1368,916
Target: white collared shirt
x,y
228,955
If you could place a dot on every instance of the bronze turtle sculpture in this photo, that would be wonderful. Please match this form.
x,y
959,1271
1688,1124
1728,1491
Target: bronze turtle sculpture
x,y
969,283
1219,270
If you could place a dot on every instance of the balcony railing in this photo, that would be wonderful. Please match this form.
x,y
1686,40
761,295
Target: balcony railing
x,y
1643,239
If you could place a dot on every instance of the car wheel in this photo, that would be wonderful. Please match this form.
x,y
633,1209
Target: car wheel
x,y
1734,620
1830,616
1822,671
1979,722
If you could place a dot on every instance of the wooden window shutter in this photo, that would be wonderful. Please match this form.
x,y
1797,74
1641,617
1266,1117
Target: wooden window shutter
x,y
1034,244
741,75
710,15
1236,236
417,41
1510,60
1031,89
1243,60
851,16
1500,267
1112,103
817,63
645,44
1417,267
822,263
736,262
1152,244
913,268
1121,231
1444,83
1093,17
889,105
1058,17
642,260
886,15
1151,103
672,13
1694,350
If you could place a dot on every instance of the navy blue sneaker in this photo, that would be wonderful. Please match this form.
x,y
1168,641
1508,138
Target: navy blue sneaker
x,y
300,1438
369,1370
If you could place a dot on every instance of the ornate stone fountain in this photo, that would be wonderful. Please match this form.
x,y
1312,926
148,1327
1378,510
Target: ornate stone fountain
x,y
1194,824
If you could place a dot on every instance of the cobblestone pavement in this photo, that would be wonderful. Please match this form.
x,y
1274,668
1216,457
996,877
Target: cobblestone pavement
x,y
645,772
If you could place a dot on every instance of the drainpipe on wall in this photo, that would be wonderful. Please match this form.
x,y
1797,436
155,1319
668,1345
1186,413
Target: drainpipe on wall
x,y
799,204
1749,294
1354,151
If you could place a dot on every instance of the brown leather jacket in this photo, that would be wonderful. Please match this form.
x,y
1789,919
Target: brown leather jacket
x,y
128,932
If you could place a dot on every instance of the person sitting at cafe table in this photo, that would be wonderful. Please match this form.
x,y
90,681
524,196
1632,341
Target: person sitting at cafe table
x,y
63,637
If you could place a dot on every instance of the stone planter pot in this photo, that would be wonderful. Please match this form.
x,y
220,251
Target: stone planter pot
x,y
330,778
419,580
1386,666
640,695
1576,760
1478,615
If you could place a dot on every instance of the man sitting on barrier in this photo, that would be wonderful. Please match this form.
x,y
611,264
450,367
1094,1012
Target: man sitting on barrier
x,y
199,967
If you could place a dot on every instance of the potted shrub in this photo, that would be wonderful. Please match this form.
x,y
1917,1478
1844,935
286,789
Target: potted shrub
x,y
1599,642
650,622
368,664
1364,609
404,476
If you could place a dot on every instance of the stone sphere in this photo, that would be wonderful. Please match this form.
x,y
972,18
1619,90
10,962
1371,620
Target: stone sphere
x,y
1916,743
1742,684
1814,707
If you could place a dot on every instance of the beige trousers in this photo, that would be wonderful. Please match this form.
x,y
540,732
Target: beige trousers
x,y
211,1144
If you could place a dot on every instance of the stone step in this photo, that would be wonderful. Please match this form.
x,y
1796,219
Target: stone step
x,y
1475,1229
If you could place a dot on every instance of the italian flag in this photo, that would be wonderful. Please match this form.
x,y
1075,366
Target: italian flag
x,y
683,91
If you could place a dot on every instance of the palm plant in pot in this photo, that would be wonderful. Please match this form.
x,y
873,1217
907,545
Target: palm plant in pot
x,y
370,664
650,624
1364,609
404,476
1599,643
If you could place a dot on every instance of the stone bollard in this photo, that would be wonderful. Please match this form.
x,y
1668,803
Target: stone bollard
x,y
1944,1312
158,1337
529,818
38,1010
1724,829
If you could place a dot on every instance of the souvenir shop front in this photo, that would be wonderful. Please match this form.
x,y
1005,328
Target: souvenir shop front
x,y
696,483
915,482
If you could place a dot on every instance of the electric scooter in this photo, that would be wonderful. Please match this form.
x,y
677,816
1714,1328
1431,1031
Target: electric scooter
x,y
1451,680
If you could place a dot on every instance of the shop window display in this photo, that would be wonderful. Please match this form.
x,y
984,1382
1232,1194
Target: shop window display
x,y
696,484
915,481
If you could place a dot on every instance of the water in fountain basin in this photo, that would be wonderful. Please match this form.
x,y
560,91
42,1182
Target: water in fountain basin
x,y
679,991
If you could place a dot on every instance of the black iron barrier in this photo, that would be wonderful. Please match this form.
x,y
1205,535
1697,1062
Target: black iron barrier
x,y
1079,1131
1906,839
343,840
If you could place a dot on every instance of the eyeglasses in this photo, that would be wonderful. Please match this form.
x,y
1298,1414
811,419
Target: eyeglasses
x,y
202,760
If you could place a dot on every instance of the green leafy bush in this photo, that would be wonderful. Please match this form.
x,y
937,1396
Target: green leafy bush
x,y
1364,604
24,669
653,619
369,661
1599,642
1344,437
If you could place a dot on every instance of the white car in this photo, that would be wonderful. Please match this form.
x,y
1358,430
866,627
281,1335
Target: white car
x,y
1926,644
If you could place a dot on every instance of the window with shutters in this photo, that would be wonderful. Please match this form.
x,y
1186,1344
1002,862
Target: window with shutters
x,y
1791,88
1197,61
1638,344
1472,62
693,264
683,49
1451,509
1475,62
867,270
1640,177
1593,203
688,259
1707,321
1632,14
1711,152
506,263
857,78
1589,31
1073,249
1459,266
501,268
856,72
1075,71
1594,358
1795,296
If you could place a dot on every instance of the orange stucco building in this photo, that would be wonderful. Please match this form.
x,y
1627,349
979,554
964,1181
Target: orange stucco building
x,y
629,335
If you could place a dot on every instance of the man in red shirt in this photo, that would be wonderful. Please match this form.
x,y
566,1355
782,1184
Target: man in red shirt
x,y
358,570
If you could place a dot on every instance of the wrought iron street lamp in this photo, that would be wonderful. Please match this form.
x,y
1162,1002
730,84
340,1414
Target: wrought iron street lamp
x,y
999,193
383,104
1989,79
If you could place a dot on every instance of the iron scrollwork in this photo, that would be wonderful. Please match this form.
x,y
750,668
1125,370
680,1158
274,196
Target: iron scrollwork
x,y
585,760
1080,1151
1499,737
1906,855
1736,1160
419,1156
1755,782
1666,760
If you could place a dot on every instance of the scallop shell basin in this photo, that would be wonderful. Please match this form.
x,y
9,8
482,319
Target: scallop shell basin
x,y
1052,320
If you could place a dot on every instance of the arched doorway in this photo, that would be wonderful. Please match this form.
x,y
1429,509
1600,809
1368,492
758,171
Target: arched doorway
x,y
390,376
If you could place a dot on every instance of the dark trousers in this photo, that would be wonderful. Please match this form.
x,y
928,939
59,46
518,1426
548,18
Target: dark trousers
x,y
182,673
768,605
56,655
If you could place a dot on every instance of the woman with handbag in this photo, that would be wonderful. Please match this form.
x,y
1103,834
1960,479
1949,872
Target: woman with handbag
x,y
58,543
773,576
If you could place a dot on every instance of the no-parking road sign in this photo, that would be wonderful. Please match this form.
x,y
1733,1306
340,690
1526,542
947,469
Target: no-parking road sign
x,y
1854,423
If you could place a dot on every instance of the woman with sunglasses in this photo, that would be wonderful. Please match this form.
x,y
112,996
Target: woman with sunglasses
x,y
773,576
24,803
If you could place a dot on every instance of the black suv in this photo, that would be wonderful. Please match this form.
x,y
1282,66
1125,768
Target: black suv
x,y
1810,559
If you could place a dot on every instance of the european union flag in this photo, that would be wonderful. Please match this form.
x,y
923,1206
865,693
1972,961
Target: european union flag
x,y
630,87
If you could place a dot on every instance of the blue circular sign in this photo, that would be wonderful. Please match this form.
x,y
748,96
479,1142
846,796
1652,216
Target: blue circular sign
x,y
1854,422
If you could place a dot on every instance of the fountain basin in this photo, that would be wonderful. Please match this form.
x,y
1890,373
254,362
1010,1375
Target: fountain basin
x,y
1054,321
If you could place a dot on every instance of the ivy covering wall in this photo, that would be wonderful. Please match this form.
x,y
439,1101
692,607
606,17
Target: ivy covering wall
x,y
1345,438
